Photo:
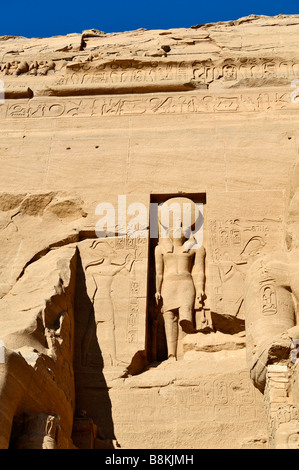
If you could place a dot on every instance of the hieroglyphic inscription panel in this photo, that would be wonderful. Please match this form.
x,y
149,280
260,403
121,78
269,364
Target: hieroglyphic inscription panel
x,y
233,245
79,70
162,103
203,72
126,71
229,400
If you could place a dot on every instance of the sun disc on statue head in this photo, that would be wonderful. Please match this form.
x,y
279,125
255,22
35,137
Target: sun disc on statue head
x,y
177,214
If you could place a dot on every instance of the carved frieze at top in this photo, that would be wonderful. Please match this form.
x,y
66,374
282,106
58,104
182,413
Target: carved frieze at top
x,y
230,72
228,55
96,76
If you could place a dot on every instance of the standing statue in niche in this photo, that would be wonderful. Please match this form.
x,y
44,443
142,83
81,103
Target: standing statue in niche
x,y
179,281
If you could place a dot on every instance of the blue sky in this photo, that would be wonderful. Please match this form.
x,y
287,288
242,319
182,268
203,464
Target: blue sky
x,y
57,17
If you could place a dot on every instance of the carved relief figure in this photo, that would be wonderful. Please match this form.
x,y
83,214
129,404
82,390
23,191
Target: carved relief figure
x,y
234,252
103,272
179,284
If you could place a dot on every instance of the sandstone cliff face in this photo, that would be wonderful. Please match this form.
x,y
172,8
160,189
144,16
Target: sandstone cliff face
x,y
130,120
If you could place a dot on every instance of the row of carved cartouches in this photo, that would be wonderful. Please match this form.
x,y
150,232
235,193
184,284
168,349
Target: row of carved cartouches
x,y
256,70
131,71
199,73
116,106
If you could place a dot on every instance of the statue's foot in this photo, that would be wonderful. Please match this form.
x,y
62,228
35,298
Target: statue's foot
x,y
171,358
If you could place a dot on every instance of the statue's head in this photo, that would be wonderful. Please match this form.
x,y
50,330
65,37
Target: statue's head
x,y
178,218
177,233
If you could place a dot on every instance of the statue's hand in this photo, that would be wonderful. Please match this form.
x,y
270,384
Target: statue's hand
x,y
157,297
199,301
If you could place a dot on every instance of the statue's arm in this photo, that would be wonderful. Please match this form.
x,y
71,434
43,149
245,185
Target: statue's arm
x,y
159,272
91,285
198,272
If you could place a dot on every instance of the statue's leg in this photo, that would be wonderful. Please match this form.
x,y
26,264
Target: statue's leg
x,y
186,320
171,331
106,330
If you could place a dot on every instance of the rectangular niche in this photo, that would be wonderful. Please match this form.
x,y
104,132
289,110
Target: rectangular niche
x,y
156,344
